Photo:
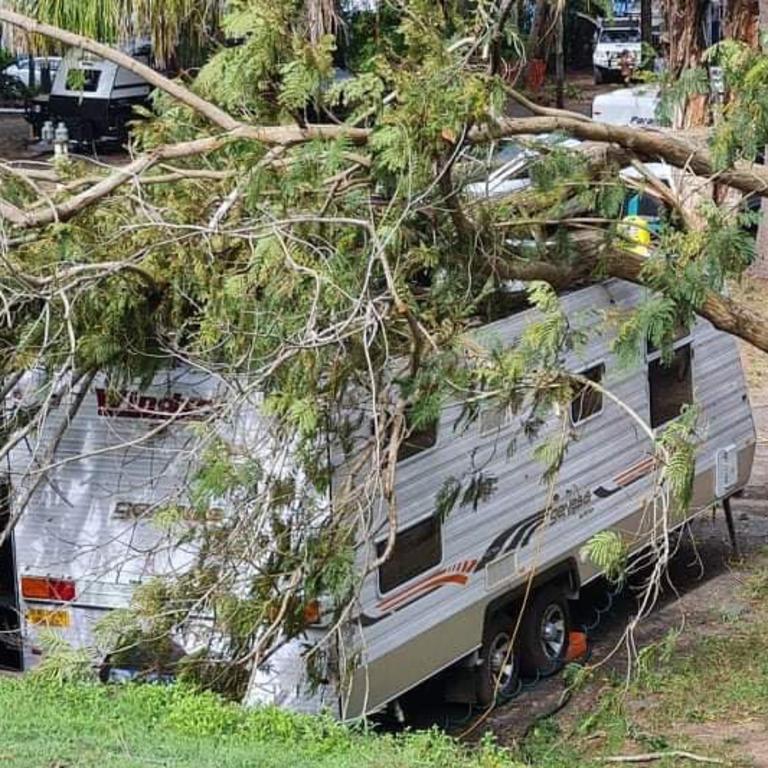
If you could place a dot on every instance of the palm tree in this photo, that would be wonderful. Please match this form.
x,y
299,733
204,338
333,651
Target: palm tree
x,y
171,25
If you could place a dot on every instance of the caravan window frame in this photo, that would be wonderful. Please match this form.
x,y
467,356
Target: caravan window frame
x,y
405,460
431,517
655,356
597,364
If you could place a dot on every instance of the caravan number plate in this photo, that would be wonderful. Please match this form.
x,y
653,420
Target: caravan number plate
x,y
49,617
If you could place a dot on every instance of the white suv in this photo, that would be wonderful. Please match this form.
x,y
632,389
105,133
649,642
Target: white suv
x,y
613,42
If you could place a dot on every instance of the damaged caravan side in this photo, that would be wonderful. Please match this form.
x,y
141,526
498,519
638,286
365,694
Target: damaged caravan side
x,y
448,596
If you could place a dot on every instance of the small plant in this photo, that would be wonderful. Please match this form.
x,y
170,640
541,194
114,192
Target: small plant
x,y
608,552
756,584
61,662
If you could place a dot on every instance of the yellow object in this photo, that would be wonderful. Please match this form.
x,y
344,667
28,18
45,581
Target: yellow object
x,y
49,617
637,231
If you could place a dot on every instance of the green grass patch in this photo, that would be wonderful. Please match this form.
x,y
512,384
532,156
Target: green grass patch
x,y
86,725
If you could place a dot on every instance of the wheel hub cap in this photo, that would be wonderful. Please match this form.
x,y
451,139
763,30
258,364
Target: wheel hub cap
x,y
553,632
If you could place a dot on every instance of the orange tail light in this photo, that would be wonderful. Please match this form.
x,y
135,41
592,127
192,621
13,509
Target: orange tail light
x,y
42,588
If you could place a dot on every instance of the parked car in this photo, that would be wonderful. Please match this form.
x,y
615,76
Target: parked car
x,y
20,70
614,42
510,163
627,106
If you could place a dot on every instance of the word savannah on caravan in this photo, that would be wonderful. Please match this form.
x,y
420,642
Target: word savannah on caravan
x,y
447,598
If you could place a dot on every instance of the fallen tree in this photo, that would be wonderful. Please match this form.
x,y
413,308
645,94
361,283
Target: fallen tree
x,y
314,259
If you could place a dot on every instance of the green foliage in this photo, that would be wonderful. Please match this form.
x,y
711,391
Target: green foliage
x,y
62,664
744,132
678,441
113,727
608,552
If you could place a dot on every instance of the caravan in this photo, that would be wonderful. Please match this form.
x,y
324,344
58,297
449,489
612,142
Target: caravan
x,y
94,98
448,597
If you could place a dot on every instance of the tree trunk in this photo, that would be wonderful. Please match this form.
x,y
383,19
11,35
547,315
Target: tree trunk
x,y
685,21
322,18
646,21
537,42
741,21
760,267
560,58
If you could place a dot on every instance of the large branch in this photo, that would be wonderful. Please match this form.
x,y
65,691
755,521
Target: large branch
x,y
724,313
647,144
66,210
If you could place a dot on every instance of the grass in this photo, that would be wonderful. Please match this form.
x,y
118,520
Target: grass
x,y
86,725
710,688
712,685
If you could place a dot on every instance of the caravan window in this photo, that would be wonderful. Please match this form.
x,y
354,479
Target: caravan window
x,y
417,549
416,440
670,385
494,418
588,401
83,80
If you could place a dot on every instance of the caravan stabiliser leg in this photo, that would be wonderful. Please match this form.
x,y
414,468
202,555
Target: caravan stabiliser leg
x,y
729,524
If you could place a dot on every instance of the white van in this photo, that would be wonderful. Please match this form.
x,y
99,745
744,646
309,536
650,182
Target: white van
x,y
636,106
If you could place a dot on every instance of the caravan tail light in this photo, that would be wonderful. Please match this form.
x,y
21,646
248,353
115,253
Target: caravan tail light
x,y
41,588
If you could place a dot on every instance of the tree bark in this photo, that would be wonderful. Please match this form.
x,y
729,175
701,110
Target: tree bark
x,y
560,57
760,267
646,21
537,42
741,21
684,22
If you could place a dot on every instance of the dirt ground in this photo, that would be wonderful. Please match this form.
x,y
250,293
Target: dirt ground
x,y
704,596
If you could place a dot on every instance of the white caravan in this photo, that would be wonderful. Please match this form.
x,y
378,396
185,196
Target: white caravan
x,y
93,97
447,598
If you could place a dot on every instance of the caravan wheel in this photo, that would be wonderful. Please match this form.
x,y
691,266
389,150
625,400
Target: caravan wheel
x,y
544,632
497,673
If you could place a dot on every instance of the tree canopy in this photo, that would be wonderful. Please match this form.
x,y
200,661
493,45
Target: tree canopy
x,y
314,234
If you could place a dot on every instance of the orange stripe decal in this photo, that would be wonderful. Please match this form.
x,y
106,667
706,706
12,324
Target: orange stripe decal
x,y
438,580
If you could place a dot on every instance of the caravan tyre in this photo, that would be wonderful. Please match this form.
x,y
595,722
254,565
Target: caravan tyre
x,y
544,632
497,673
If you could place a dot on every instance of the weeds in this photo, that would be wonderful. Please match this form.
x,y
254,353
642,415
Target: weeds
x,y
92,726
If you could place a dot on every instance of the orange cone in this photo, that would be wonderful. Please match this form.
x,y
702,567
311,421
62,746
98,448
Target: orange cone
x,y
577,646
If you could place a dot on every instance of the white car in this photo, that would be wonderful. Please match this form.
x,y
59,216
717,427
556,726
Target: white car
x,y
510,163
627,106
613,42
19,70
